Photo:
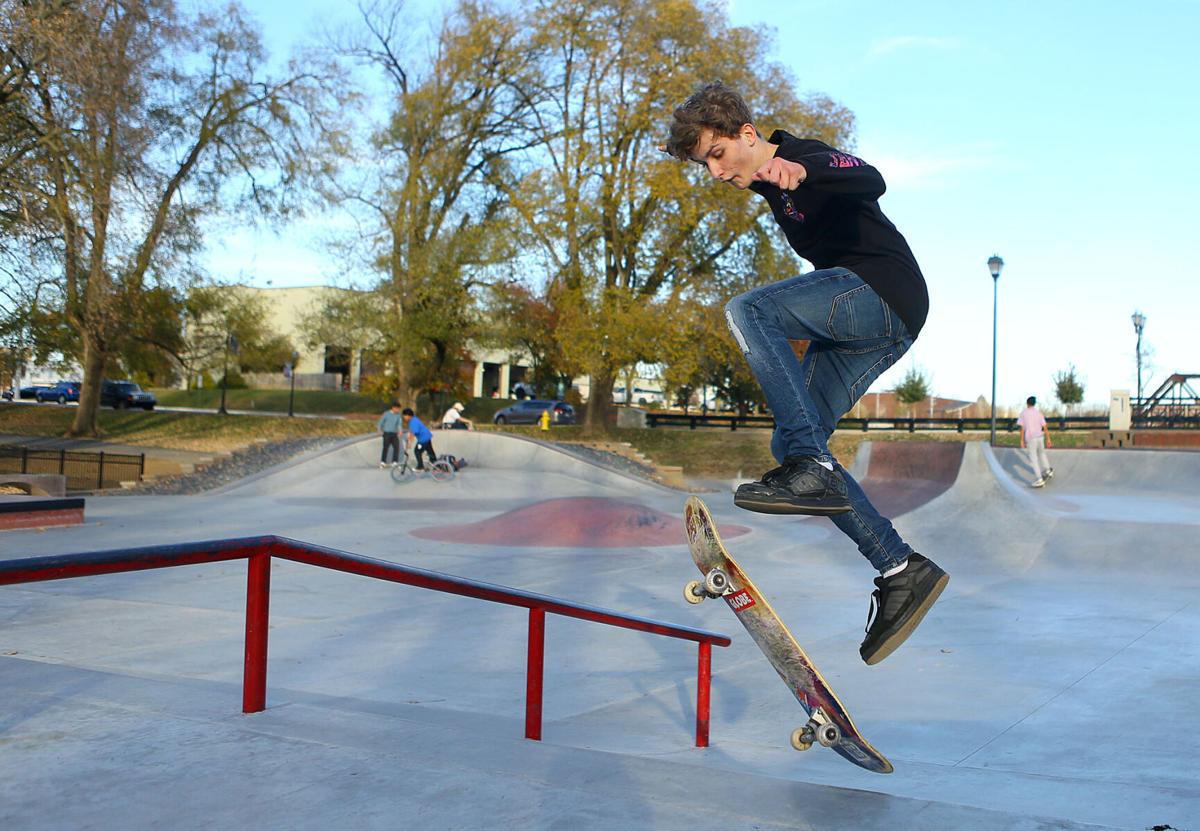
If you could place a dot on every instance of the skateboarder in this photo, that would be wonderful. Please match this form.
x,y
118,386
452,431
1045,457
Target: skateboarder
x,y
859,311
1034,441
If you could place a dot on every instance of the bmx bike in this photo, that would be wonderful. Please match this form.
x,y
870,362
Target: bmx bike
x,y
403,472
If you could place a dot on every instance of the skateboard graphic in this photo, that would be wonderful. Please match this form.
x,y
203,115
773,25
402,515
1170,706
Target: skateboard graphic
x,y
829,724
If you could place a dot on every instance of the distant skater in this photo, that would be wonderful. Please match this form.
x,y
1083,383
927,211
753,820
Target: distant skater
x,y
1034,441
859,311
419,436
390,425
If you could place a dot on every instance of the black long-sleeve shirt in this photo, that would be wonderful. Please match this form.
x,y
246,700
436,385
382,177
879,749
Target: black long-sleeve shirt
x,y
833,219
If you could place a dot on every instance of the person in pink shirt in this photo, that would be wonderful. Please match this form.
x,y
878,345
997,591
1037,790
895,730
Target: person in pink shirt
x,y
1035,440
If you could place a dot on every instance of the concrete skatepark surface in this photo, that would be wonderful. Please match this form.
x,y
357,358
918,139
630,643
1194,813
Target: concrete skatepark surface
x,y
1054,685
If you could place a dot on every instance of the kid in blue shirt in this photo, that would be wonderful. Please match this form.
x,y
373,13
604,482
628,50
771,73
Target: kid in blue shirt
x,y
419,434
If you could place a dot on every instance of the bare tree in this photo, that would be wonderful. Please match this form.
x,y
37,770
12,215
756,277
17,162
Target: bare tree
x,y
144,120
435,218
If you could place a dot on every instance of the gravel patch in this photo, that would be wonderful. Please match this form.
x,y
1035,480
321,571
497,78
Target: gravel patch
x,y
608,459
239,465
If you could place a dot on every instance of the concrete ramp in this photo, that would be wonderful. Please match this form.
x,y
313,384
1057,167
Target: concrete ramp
x,y
903,475
1053,686
1135,486
499,466
574,522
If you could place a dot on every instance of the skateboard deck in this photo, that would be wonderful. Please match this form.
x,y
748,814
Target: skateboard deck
x,y
829,723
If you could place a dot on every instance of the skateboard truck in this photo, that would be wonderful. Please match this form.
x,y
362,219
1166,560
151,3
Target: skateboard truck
x,y
819,729
715,584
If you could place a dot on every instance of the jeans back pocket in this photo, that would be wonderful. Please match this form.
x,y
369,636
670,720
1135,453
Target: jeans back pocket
x,y
859,314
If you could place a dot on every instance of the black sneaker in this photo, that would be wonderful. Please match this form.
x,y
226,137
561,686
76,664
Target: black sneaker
x,y
801,485
898,604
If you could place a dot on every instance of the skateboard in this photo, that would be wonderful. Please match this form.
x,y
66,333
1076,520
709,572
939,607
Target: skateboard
x,y
829,724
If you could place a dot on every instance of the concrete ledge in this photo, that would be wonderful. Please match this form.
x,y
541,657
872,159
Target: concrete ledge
x,y
39,512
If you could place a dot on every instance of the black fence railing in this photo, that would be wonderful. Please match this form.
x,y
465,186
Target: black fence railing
x,y
84,470
911,425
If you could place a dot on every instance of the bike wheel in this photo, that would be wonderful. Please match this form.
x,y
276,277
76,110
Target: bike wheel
x,y
403,474
441,471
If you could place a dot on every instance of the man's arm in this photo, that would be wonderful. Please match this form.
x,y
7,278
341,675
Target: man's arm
x,y
825,169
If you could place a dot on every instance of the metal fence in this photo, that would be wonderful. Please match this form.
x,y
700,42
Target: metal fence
x,y
84,471
911,425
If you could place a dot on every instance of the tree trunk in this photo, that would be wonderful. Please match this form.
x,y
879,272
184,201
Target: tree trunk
x,y
95,358
598,404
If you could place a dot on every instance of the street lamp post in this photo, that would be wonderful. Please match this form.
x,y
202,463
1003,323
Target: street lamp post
x,y
1139,323
292,394
994,265
231,345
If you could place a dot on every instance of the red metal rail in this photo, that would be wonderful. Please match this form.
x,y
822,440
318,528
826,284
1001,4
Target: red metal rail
x,y
258,551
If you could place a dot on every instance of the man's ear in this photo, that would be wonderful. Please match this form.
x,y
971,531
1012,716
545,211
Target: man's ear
x,y
749,133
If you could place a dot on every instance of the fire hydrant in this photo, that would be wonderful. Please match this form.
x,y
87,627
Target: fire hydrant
x,y
545,420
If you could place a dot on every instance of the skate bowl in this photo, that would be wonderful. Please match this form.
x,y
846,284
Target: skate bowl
x,y
904,475
573,522
1134,486
501,467
1053,685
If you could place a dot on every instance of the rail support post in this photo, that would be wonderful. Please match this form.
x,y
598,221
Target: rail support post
x,y
703,684
258,602
533,675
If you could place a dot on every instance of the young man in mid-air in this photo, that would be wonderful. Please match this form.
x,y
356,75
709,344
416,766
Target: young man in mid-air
x,y
859,311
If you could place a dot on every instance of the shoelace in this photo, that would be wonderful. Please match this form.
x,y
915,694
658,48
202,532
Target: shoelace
x,y
771,475
873,612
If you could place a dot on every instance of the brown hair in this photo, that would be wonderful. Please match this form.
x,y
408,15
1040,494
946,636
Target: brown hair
x,y
713,106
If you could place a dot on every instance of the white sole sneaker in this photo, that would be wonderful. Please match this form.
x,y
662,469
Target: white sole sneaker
x,y
1040,483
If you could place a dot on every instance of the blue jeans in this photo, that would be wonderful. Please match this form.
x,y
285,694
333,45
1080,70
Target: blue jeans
x,y
853,337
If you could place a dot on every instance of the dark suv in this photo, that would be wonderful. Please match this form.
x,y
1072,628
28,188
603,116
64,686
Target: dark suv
x,y
121,395
530,411
62,392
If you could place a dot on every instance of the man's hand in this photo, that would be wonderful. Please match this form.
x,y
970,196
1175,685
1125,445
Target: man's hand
x,y
782,173
1048,444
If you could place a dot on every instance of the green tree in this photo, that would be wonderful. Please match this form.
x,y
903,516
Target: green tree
x,y
437,216
1068,388
616,223
518,318
914,387
214,312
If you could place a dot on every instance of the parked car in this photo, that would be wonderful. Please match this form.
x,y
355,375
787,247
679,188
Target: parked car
x,y
7,395
529,411
121,395
31,391
62,392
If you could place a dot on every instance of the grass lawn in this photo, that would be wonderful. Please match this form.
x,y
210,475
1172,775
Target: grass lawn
x,y
726,453
179,431
315,402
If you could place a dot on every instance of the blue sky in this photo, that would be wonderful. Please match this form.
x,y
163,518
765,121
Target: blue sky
x,y
1062,135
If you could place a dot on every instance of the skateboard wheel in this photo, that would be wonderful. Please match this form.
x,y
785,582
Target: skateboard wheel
x,y
692,592
802,738
716,582
829,735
